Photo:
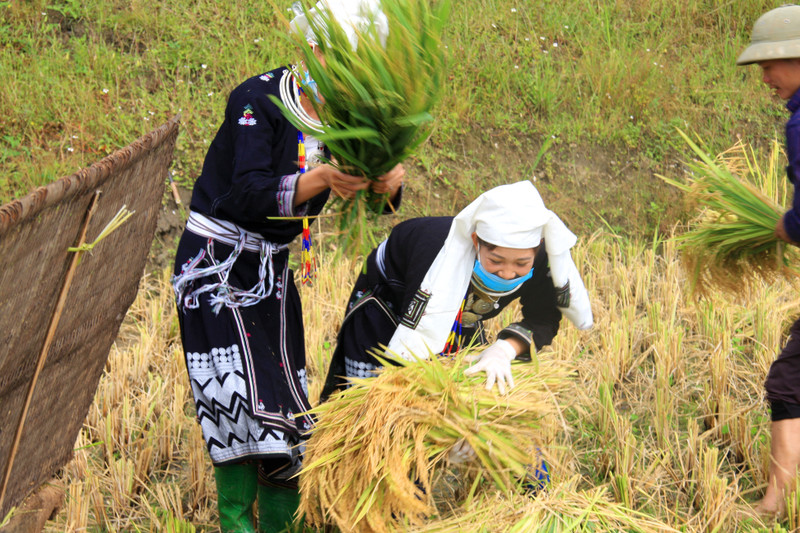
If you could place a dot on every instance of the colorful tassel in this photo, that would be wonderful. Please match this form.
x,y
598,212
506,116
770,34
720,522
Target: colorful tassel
x,y
301,152
456,337
309,267
308,262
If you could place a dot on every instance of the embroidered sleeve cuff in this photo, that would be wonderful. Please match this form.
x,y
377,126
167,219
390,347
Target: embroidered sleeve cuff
x,y
286,192
415,309
518,331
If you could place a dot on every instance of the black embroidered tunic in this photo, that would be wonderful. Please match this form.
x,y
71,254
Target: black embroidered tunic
x,y
384,295
246,363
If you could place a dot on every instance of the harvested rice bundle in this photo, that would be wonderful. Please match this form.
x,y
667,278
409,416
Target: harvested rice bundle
x,y
562,508
733,236
370,461
380,82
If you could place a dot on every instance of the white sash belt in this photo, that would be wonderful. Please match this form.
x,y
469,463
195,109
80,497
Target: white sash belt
x,y
222,292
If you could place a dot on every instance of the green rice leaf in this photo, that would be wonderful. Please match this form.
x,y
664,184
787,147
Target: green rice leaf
x,y
732,236
378,100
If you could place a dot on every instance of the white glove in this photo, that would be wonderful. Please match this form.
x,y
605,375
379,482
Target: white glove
x,y
461,452
496,362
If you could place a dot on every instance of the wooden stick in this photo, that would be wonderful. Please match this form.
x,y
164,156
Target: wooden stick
x,y
174,186
51,330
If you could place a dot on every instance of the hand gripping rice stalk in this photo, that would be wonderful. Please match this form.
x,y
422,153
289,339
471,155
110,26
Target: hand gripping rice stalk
x,y
378,445
732,238
378,99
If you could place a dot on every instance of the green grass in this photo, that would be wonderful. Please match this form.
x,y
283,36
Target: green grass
x,y
82,78
584,70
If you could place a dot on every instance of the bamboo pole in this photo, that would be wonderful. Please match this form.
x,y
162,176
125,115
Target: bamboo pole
x,y
51,330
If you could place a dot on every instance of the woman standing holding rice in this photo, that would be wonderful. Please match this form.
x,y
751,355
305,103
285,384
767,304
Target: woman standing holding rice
x,y
240,315
429,286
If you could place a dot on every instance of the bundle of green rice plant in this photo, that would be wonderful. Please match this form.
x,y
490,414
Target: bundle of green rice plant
x,y
377,99
562,508
733,236
378,445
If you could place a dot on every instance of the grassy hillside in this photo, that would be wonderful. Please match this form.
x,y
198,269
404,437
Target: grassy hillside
x,y
584,96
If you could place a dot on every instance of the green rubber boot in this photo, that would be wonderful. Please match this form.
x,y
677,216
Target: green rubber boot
x,y
236,493
276,508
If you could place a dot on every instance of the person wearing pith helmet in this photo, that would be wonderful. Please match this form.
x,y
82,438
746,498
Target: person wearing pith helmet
x,y
775,47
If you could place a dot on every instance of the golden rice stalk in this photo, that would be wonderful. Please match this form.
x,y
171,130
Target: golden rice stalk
x,y
732,237
561,508
378,445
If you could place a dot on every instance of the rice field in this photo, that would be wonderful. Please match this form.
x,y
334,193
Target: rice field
x,y
660,424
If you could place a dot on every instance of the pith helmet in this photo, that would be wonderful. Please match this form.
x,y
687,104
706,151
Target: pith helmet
x,y
776,35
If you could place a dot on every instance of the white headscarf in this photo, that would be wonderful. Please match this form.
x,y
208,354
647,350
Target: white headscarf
x,y
511,216
354,16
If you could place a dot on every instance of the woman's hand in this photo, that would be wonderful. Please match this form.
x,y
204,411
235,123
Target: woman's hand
x,y
345,185
496,362
461,452
324,177
390,182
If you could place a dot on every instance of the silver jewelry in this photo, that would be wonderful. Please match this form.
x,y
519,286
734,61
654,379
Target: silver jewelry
x,y
482,306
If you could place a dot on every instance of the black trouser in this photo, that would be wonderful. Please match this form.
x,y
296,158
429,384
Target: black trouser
x,y
783,379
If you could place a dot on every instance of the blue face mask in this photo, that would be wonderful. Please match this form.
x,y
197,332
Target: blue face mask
x,y
309,82
494,282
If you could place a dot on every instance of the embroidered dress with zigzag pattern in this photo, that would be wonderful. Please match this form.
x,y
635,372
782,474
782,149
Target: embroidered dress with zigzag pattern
x,y
240,312
246,364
